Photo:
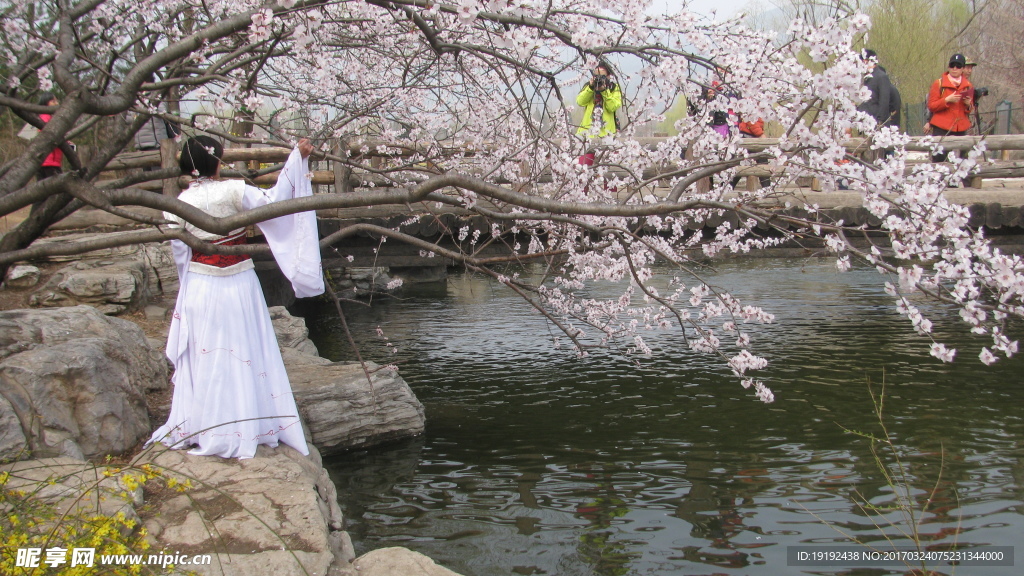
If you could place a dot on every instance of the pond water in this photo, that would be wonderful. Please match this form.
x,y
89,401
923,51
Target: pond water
x,y
535,462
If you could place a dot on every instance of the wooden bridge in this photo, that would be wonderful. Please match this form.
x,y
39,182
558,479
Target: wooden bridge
x,y
340,178
995,196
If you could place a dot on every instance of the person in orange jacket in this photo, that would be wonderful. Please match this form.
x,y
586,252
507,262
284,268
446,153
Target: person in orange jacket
x,y
950,102
753,129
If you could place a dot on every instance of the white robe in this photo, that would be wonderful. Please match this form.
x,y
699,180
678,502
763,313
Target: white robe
x,y
231,391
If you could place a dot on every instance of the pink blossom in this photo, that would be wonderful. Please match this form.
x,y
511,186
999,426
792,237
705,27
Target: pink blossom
x,y
942,353
987,357
260,28
764,394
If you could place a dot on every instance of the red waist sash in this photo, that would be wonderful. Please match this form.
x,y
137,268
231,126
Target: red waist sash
x,y
222,260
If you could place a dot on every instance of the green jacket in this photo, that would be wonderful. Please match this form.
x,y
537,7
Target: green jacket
x,y
611,101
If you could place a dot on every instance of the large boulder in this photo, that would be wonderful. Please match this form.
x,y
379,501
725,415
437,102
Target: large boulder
x,y
113,287
345,409
74,380
124,279
276,513
394,561
342,405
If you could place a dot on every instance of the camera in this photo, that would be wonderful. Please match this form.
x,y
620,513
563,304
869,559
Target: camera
x,y
601,83
979,92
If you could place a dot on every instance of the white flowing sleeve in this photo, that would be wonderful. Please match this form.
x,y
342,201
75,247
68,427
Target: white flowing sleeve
x,y
181,251
293,238
182,256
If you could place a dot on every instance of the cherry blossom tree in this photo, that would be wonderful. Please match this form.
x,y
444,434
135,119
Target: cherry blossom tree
x,y
471,103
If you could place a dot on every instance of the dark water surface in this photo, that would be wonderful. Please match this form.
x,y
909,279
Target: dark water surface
x,y
535,462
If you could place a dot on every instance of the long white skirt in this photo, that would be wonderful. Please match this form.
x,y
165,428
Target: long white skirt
x,y
231,391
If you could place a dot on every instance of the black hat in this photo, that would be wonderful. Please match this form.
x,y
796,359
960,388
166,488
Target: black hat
x,y
957,59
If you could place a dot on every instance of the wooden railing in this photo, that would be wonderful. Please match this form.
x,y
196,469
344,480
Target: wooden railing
x,y
341,176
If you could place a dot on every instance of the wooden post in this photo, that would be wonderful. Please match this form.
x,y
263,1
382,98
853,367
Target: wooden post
x,y
704,184
169,159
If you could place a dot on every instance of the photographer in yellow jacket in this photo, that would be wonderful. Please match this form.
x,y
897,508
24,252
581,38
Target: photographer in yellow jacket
x,y
600,97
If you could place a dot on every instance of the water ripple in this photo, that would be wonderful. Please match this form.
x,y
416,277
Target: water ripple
x,y
535,462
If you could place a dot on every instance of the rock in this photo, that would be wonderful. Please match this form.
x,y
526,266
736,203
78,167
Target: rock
x,y
258,516
124,279
165,272
22,276
353,282
339,408
110,309
395,561
13,444
343,411
293,357
76,381
71,485
275,514
291,331
122,285
365,274
63,443
154,313
157,343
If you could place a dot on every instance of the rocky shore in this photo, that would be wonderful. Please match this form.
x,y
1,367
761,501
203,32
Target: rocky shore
x,y
78,385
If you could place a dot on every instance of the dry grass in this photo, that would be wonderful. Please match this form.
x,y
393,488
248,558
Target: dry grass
x,y
13,219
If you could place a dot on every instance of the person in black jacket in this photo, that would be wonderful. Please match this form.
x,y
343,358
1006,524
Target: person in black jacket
x,y
877,81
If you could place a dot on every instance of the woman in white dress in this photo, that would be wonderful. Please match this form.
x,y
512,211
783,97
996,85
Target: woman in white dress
x,y
231,391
